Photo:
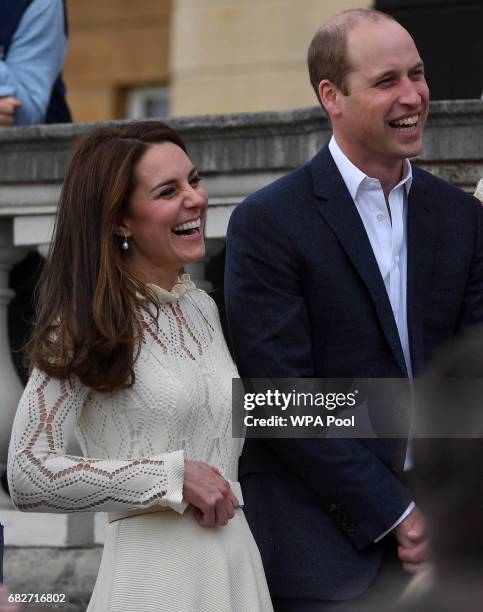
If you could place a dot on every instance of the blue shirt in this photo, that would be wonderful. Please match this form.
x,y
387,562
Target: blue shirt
x,y
35,59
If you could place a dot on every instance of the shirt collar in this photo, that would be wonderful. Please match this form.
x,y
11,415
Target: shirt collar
x,y
183,285
355,179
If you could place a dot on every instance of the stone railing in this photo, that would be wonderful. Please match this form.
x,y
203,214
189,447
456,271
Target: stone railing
x,y
236,154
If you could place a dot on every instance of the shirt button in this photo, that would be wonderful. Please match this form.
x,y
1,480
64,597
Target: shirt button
x,y
380,216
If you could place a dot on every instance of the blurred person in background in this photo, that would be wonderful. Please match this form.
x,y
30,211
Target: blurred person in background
x,y
448,480
33,46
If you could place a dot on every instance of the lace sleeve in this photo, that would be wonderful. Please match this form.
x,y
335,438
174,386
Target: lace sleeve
x,y
43,478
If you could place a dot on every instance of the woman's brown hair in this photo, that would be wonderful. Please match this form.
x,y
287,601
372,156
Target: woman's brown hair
x,y
86,323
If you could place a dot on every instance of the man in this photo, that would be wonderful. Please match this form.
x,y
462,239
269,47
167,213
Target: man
x,y
33,46
354,265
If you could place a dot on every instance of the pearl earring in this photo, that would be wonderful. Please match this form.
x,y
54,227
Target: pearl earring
x,y
125,243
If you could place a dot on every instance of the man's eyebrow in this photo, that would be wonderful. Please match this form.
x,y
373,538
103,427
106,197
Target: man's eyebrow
x,y
193,171
419,64
381,75
391,73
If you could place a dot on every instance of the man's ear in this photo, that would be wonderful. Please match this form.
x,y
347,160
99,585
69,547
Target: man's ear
x,y
330,96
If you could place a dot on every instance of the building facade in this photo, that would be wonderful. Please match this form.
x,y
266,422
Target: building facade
x,y
196,57
191,57
118,51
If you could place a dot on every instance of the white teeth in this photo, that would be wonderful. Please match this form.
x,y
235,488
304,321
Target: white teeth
x,y
407,122
187,226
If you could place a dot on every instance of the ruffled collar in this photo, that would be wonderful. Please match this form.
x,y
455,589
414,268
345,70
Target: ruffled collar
x,y
182,286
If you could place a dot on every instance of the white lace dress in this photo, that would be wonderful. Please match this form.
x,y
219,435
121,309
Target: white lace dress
x,y
156,557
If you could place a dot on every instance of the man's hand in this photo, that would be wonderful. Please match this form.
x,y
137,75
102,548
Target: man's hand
x,y
413,549
8,106
206,489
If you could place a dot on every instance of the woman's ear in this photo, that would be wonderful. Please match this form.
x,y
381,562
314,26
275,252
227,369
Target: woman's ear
x,y
123,229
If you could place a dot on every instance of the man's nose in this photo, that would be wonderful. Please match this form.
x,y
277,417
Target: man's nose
x,y
410,95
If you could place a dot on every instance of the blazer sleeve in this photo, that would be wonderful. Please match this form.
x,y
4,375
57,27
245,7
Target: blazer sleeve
x,y
271,336
471,311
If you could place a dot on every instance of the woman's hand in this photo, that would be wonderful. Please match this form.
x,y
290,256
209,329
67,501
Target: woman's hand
x,y
210,494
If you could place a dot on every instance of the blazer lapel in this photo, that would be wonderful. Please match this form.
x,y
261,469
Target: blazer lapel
x,y
340,213
420,258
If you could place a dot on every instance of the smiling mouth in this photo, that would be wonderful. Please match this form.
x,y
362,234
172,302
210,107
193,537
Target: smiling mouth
x,y
187,229
407,124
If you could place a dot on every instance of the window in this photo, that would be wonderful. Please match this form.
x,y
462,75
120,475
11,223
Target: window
x,y
145,102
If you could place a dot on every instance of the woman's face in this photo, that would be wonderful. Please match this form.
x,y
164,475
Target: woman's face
x,y
166,214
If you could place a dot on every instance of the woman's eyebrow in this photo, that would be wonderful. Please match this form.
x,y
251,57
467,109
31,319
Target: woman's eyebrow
x,y
193,171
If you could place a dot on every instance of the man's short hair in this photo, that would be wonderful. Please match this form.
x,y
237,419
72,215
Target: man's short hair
x,y
327,56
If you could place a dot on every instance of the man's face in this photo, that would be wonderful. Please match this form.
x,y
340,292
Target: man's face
x,y
381,119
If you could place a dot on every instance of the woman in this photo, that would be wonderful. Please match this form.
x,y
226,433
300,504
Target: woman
x,y
131,356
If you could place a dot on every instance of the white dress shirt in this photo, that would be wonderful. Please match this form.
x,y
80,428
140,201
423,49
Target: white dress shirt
x,y
388,238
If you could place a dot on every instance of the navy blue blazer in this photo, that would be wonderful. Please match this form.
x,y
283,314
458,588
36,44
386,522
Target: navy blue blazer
x,y
305,298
